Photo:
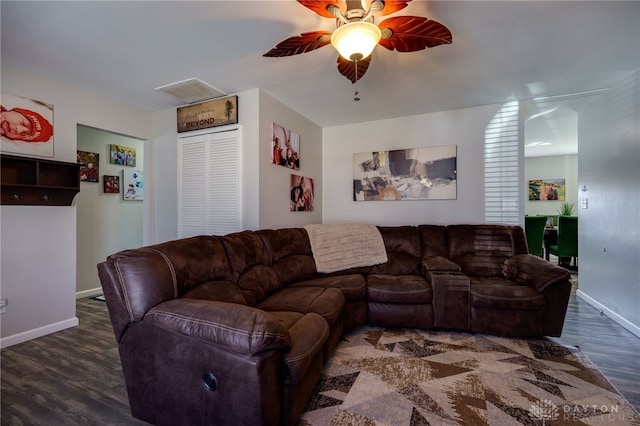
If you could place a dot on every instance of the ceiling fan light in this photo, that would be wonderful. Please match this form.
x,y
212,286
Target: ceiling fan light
x,y
355,40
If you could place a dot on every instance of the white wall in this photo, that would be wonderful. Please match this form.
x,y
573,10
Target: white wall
x,y
552,167
265,202
164,207
164,167
463,127
106,223
275,180
609,229
38,248
249,118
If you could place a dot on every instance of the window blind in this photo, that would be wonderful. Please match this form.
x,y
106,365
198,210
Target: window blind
x,y
502,184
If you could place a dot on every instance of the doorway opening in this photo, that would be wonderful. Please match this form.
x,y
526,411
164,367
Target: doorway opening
x,y
551,142
106,221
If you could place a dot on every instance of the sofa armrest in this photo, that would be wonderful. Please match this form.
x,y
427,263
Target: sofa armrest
x,y
308,334
237,328
439,263
534,271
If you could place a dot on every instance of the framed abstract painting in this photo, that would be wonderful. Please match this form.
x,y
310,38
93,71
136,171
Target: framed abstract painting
x,y
428,173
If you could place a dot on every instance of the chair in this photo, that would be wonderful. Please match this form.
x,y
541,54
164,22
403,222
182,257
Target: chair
x,y
534,230
567,245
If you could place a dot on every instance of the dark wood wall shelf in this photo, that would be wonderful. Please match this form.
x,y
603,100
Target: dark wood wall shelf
x,y
38,182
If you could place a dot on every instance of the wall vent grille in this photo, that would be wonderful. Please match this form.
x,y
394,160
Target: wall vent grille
x,y
190,91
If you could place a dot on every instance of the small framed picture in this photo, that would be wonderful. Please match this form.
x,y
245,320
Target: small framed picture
x,y
133,181
301,194
546,189
90,162
122,155
111,184
285,147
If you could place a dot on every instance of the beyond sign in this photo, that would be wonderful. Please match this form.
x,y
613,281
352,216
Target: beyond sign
x,y
218,112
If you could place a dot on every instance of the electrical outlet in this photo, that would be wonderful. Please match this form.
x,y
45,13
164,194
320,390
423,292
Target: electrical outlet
x,y
3,305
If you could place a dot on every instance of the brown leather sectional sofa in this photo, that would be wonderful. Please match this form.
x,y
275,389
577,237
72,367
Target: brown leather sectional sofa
x,y
235,329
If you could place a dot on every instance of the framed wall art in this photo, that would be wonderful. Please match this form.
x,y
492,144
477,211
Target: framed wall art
x,y
133,185
122,155
90,164
285,147
547,189
428,173
301,194
111,184
26,126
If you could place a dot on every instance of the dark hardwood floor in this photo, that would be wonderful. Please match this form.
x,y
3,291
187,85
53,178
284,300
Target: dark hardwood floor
x,y
73,377
68,378
611,347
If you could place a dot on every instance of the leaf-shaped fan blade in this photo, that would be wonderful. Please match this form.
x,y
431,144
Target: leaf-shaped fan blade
x,y
320,6
391,6
411,33
348,68
303,43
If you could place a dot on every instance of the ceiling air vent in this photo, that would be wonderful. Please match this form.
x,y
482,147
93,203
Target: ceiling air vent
x,y
190,91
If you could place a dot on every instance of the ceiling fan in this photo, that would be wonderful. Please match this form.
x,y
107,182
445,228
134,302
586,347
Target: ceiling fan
x,y
356,33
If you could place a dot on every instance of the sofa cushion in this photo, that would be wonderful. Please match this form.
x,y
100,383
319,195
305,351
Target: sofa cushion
x,y
400,315
327,302
290,254
221,291
195,260
404,252
510,296
245,249
480,250
433,239
286,318
519,240
409,289
353,286
251,266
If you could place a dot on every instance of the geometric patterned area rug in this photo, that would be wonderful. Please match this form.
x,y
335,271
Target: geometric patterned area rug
x,y
413,377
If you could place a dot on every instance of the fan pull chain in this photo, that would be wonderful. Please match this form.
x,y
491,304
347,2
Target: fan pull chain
x,y
355,95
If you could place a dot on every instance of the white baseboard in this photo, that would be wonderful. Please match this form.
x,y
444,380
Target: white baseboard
x,y
608,312
5,342
88,293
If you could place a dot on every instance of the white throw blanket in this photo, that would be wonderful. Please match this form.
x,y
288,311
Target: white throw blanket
x,y
341,246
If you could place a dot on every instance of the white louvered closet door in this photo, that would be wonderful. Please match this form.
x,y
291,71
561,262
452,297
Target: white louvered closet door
x,y
209,190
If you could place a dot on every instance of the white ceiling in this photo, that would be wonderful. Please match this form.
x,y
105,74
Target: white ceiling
x,y
551,123
501,51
